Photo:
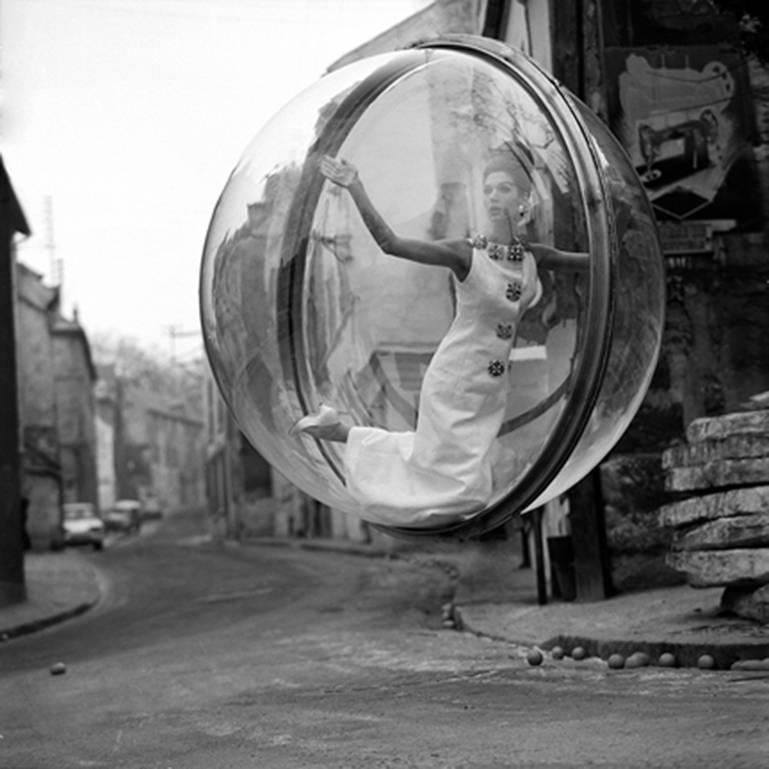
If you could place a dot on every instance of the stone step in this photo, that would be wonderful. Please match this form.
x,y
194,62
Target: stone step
x,y
749,602
722,504
758,401
733,447
738,423
708,568
725,533
719,474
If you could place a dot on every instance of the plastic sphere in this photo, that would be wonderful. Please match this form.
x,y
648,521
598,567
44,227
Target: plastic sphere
x,y
299,306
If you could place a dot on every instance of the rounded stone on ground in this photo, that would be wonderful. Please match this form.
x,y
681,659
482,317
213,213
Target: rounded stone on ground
x,y
534,657
706,662
557,653
616,661
667,660
762,664
638,660
58,669
578,653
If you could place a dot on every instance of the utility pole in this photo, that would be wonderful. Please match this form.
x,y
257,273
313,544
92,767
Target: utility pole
x,y
174,332
55,265
12,221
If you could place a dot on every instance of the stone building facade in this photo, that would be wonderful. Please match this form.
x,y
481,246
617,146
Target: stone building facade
x,y
714,224
157,444
56,377
175,439
104,423
75,377
242,490
13,224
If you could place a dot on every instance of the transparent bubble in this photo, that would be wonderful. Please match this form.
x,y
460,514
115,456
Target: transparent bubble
x,y
300,306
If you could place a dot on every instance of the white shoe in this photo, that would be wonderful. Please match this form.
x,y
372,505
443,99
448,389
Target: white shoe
x,y
324,416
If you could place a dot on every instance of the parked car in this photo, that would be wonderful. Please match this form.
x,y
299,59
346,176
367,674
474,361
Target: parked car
x,y
151,509
124,515
81,525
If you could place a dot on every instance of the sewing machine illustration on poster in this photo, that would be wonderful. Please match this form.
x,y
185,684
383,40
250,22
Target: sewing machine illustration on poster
x,y
673,152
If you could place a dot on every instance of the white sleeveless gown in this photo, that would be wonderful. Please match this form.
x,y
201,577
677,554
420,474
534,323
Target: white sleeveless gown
x,y
441,472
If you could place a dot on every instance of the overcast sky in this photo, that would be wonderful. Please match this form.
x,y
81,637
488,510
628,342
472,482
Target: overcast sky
x,y
121,120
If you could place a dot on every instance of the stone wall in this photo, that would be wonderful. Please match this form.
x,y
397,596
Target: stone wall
x,y
75,412
40,459
721,526
714,355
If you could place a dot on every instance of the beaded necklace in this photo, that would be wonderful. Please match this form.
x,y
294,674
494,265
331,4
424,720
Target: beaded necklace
x,y
499,252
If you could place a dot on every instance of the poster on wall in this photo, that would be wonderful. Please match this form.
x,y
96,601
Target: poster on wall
x,y
685,118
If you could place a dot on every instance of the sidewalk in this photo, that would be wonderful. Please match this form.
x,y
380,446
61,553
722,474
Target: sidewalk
x,y
677,620
59,586
493,598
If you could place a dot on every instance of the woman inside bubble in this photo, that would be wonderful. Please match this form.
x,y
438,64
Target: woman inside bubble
x,y
441,472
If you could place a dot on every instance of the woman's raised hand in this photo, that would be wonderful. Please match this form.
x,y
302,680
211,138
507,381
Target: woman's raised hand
x,y
338,171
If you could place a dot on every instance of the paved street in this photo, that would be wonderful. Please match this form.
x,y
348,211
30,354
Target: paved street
x,y
205,655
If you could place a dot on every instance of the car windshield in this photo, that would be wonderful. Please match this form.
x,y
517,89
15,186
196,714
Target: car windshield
x,y
78,513
127,505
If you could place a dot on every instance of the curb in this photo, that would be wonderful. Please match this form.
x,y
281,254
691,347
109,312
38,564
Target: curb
x,y
725,656
84,594
26,628
687,655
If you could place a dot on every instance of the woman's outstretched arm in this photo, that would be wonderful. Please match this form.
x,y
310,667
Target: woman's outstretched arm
x,y
550,258
455,255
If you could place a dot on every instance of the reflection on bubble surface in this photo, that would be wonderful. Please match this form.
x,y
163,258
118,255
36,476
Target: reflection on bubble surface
x,y
301,307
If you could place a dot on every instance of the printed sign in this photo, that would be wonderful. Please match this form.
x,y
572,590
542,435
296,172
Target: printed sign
x,y
684,118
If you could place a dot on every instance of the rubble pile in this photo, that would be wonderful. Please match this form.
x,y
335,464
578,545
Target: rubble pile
x,y
721,523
